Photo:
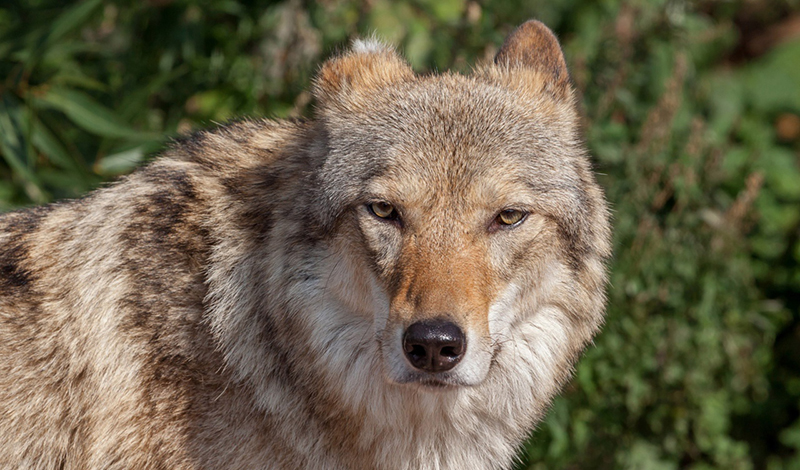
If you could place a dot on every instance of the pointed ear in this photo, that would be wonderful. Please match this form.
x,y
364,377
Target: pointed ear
x,y
531,62
534,46
368,66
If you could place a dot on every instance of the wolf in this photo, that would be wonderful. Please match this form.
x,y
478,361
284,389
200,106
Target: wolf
x,y
403,282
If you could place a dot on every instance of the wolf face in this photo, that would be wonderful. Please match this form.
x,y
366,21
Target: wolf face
x,y
473,194
402,283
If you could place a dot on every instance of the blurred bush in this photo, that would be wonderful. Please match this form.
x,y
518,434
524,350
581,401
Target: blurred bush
x,y
692,112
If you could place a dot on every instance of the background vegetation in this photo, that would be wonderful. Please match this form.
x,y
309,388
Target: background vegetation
x,y
693,116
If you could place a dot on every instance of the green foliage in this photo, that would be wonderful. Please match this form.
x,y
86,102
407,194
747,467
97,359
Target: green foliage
x,y
696,135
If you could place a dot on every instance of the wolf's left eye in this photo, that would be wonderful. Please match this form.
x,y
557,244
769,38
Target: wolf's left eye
x,y
510,217
383,210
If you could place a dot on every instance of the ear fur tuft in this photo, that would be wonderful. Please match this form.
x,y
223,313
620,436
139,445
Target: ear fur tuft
x,y
369,46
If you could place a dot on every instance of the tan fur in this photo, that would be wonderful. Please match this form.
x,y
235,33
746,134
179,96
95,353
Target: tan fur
x,y
235,304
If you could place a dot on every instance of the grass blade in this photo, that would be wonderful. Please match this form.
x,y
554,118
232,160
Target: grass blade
x,y
90,115
15,148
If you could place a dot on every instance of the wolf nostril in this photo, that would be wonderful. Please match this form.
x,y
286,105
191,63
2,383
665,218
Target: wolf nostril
x,y
418,352
434,345
449,351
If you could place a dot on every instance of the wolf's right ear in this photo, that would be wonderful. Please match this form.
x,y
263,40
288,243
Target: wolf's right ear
x,y
368,66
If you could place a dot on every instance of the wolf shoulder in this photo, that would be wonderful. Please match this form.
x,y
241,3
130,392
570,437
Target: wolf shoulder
x,y
164,211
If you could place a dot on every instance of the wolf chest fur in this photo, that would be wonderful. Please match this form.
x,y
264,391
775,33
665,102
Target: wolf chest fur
x,y
403,282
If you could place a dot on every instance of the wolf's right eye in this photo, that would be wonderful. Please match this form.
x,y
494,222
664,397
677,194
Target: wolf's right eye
x,y
383,210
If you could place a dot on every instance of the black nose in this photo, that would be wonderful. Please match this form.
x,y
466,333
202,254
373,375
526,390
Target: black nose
x,y
434,345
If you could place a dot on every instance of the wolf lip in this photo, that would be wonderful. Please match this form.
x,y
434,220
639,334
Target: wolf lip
x,y
431,381
436,384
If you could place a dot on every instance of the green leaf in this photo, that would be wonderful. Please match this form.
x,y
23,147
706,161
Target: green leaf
x,y
419,45
42,39
90,115
121,162
47,143
390,20
71,19
772,81
15,147
781,172
7,191
447,11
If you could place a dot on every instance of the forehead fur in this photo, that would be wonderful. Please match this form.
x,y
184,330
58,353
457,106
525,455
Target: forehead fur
x,y
516,115
444,121
451,131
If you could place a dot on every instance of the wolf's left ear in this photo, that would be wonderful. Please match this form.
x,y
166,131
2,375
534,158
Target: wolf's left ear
x,y
368,66
532,56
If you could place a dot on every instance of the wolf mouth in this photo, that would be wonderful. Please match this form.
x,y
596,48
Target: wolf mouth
x,y
432,385
436,385
432,382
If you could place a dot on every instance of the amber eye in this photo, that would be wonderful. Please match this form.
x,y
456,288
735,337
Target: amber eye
x,y
510,217
384,210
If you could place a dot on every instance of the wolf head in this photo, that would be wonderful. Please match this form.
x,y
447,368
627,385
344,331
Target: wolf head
x,y
473,204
